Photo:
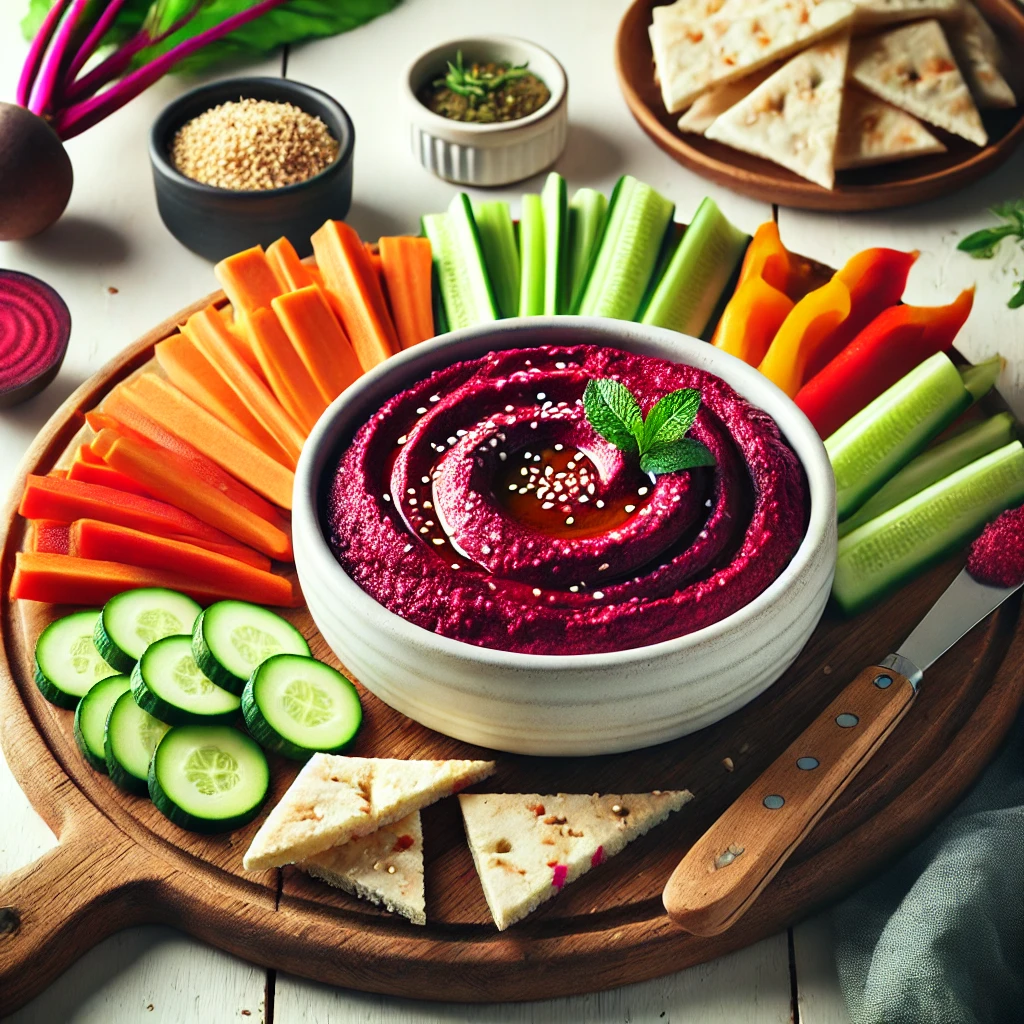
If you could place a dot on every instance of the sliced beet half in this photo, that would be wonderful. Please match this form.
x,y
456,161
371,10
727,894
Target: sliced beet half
x,y
34,329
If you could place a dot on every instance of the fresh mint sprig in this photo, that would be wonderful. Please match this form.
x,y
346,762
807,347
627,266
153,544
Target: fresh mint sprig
x,y
660,440
982,244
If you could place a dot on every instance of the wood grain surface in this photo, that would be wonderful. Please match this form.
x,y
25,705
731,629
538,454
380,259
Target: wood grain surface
x,y
871,188
125,864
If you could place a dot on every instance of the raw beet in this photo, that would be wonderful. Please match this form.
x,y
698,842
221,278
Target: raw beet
x,y
997,556
34,329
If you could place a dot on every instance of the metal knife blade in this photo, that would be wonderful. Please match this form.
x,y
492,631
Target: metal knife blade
x,y
963,605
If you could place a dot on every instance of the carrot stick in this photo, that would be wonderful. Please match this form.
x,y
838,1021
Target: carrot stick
x,y
206,331
291,273
125,415
47,536
170,479
373,251
408,264
91,473
350,277
105,542
63,579
176,412
287,374
190,370
247,280
86,454
230,549
318,338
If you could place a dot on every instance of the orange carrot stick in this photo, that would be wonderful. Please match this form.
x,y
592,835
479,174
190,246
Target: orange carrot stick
x,y
103,541
289,271
350,277
47,536
91,473
408,265
318,338
176,412
282,365
247,280
190,370
170,479
206,331
86,454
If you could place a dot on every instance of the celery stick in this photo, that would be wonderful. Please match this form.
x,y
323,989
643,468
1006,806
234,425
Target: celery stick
x,y
501,253
556,228
531,256
586,219
981,378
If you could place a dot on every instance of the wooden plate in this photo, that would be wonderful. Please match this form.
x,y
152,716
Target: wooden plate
x,y
872,188
120,863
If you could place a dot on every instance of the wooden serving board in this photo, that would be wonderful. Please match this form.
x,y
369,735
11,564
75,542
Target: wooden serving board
x,y
120,863
870,188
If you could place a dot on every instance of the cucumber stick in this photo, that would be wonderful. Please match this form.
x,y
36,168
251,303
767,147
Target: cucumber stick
x,y
129,739
932,465
626,256
531,256
67,662
134,619
91,718
459,263
555,207
501,253
701,267
897,545
981,378
887,433
586,221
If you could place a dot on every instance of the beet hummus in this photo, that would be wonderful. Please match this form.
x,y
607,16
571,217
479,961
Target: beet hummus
x,y
481,504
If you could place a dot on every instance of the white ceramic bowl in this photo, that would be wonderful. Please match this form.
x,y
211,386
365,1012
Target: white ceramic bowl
x,y
573,704
488,154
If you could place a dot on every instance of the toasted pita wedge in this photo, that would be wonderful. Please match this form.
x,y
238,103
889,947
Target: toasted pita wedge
x,y
526,847
792,118
383,867
873,132
335,799
892,12
715,102
912,67
693,54
977,51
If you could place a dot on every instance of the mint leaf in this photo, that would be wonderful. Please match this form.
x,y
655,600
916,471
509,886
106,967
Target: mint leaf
x,y
982,244
686,453
1017,300
614,413
1012,210
670,418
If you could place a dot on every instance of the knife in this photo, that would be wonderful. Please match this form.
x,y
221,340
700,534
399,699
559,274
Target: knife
x,y
723,873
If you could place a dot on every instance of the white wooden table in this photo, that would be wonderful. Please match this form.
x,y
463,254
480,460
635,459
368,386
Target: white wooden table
x,y
121,273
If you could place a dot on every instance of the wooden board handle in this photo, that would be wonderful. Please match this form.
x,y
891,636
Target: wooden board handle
x,y
727,868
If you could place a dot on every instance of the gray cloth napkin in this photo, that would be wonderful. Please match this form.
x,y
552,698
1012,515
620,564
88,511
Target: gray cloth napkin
x,y
939,937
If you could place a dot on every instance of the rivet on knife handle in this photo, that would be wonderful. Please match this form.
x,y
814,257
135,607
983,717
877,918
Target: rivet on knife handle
x,y
719,878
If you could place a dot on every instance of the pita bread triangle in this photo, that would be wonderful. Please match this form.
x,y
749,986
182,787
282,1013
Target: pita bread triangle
x,y
874,132
912,67
891,12
526,847
692,53
335,799
706,108
792,118
383,867
980,57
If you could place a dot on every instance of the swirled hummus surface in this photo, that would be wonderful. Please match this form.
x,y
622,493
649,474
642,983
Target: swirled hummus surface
x,y
482,505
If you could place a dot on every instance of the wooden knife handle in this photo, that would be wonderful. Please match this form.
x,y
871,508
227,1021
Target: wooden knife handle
x,y
715,883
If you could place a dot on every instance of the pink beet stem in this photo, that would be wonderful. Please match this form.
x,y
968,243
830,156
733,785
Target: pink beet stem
x,y
93,39
78,118
37,51
49,74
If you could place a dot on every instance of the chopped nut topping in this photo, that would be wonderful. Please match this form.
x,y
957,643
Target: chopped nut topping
x,y
727,764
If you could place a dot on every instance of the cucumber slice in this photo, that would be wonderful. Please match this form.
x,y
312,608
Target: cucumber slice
x,y
637,220
297,706
167,683
233,638
586,220
703,264
501,253
131,621
91,718
459,262
932,465
555,205
897,545
981,378
886,434
531,256
129,738
208,778
67,662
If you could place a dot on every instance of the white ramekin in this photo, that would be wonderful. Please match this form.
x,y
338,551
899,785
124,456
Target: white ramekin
x,y
488,154
574,704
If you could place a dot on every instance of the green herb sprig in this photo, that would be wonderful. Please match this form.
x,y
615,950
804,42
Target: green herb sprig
x,y
660,440
474,84
982,244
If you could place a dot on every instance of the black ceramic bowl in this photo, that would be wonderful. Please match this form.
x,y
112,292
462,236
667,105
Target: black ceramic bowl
x,y
216,222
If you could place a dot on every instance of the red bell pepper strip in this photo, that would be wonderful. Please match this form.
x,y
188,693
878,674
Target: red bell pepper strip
x,y
896,341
